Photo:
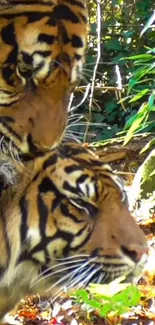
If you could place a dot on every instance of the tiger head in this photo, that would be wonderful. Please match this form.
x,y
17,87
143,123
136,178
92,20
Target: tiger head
x,y
72,224
42,49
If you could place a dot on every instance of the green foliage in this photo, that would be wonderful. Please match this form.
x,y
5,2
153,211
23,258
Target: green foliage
x,y
118,304
121,25
142,87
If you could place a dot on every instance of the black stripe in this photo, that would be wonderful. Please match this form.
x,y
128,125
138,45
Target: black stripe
x,y
7,119
66,213
91,209
44,54
70,188
96,191
55,203
7,92
77,57
43,215
77,41
30,2
36,16
58,13
32,147
7,73
65,37
68,151
29,14
77,3
73,168
60,234
12,57
81,179
52,160
84,18
47,186
84,241
45,38
8,34
23,204
64,12
27,256
51,22
84,161
98,163
7,243
9,128
9,104
2,270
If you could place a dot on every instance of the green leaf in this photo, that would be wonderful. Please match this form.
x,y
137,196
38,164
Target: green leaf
x,y
139,118
139,95
130,121
93,28
94,303
139,56
122,100
129,297
148,146
151,101
99,118
105,310
113,44
82,294
132,83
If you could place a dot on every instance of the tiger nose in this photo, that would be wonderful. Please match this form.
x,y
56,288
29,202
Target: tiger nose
x,y
135,253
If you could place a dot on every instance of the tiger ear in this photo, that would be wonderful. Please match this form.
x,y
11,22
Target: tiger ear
x,y
75,181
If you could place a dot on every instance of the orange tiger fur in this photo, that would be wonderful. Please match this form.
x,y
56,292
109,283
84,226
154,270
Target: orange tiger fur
x,y
42,47
65,222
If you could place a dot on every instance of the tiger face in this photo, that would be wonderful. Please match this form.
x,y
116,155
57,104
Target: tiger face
x,y
67,224
42,48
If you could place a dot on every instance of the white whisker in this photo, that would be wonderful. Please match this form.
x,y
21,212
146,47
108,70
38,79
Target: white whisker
x,y
72,137
56,272
1,141
74,132
11,150
54,267
69,257
86,280
73,272
72,117
72,283
101,277
84,97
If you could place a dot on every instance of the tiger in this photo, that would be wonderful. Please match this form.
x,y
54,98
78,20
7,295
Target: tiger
x,y
42,46
64,223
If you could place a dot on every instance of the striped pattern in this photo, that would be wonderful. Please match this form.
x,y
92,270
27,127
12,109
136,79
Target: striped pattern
x,y
42,50
65,222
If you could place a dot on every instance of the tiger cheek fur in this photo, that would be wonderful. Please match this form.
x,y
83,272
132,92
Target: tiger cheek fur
x,y
65,224
41,60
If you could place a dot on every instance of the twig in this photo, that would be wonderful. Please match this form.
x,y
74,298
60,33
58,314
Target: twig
x,y
113,88
95,67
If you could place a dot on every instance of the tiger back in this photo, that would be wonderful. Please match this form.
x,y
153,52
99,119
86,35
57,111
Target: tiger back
x,y
65,223
42,46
